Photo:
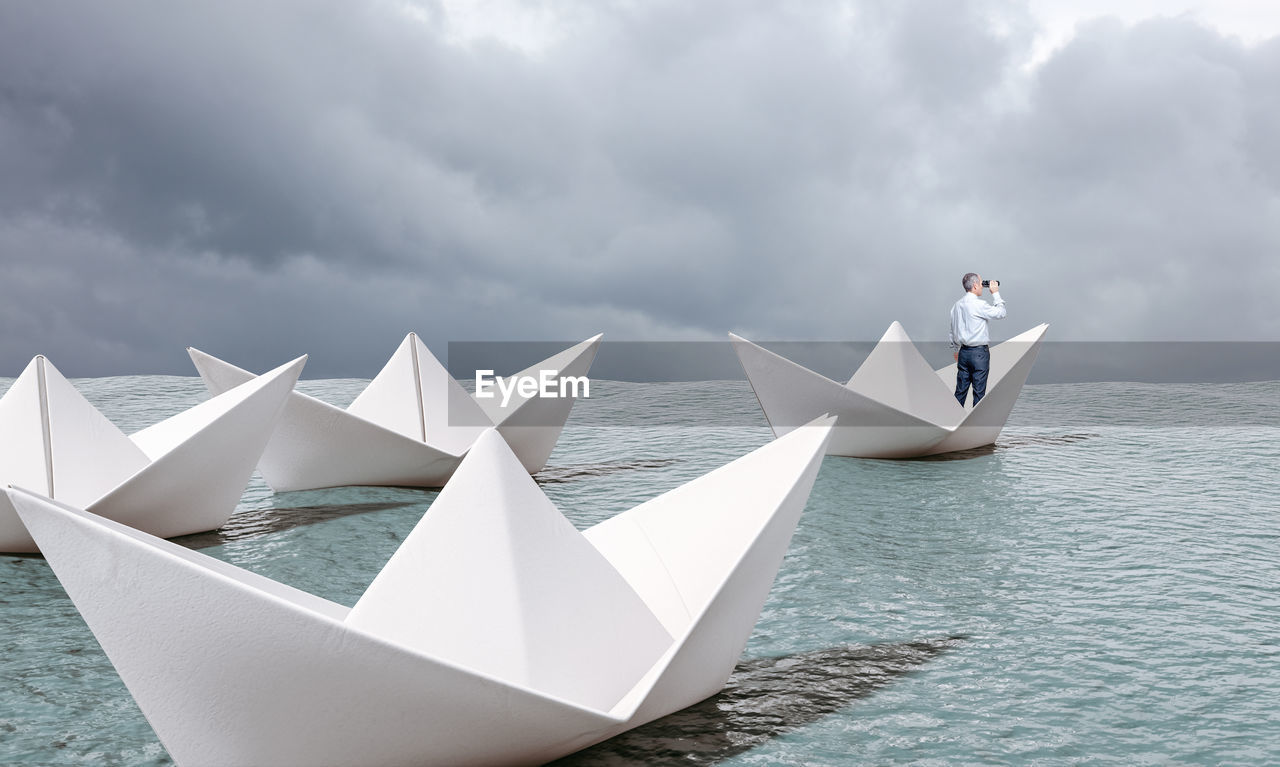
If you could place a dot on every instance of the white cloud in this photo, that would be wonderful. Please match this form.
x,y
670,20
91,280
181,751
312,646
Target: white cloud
x,y
530,26
1252,21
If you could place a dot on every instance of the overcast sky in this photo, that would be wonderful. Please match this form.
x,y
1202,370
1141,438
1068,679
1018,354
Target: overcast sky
x,y
262,180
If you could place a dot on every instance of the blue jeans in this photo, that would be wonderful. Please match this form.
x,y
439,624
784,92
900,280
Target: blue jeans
x,y
971,367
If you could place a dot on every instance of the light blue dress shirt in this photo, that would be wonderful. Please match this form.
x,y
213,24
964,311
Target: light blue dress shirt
x,y
969,320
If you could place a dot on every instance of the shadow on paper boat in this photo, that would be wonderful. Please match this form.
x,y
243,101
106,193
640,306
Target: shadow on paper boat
x,y
764,698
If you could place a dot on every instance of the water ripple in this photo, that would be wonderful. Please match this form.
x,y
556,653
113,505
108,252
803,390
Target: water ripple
x,y
1112,564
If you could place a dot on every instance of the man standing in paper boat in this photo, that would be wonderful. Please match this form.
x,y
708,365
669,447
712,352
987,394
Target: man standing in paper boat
x,y
969,336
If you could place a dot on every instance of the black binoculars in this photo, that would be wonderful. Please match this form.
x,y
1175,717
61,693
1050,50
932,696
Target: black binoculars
x,y
987,283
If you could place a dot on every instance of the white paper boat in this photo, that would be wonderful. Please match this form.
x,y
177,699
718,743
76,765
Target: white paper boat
x,y
496,634
183,475
409,427
895,405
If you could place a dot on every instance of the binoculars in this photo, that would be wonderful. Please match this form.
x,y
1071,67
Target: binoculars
x,y
987,283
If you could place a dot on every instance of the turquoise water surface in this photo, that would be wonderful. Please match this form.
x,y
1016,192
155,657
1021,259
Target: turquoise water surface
x,y
1101,587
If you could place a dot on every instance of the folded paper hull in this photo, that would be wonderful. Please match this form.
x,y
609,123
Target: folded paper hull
x,y
895,405
655,606
183,475
410,427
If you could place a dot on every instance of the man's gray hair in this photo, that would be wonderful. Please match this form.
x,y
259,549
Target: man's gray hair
x,y
969,280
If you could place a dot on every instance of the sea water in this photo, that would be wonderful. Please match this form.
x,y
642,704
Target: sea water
x,y
1102,586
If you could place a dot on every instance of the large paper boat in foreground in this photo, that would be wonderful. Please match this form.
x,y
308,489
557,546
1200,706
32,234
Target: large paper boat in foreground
x,y
496,634
895,405
183,475
409,427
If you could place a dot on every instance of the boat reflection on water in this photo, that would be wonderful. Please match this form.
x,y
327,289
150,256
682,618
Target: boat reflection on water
x,y
764,698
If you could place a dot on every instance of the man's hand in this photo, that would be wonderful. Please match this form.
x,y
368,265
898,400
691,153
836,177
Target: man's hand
x,y
956,356
995,286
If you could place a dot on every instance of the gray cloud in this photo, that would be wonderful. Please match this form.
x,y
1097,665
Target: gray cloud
x,y
263,181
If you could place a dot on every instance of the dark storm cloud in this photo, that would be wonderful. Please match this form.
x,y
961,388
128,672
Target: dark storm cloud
x,y
1141,169
267,180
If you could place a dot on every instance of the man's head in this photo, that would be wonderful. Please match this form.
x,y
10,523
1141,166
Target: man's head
x,y
972,283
